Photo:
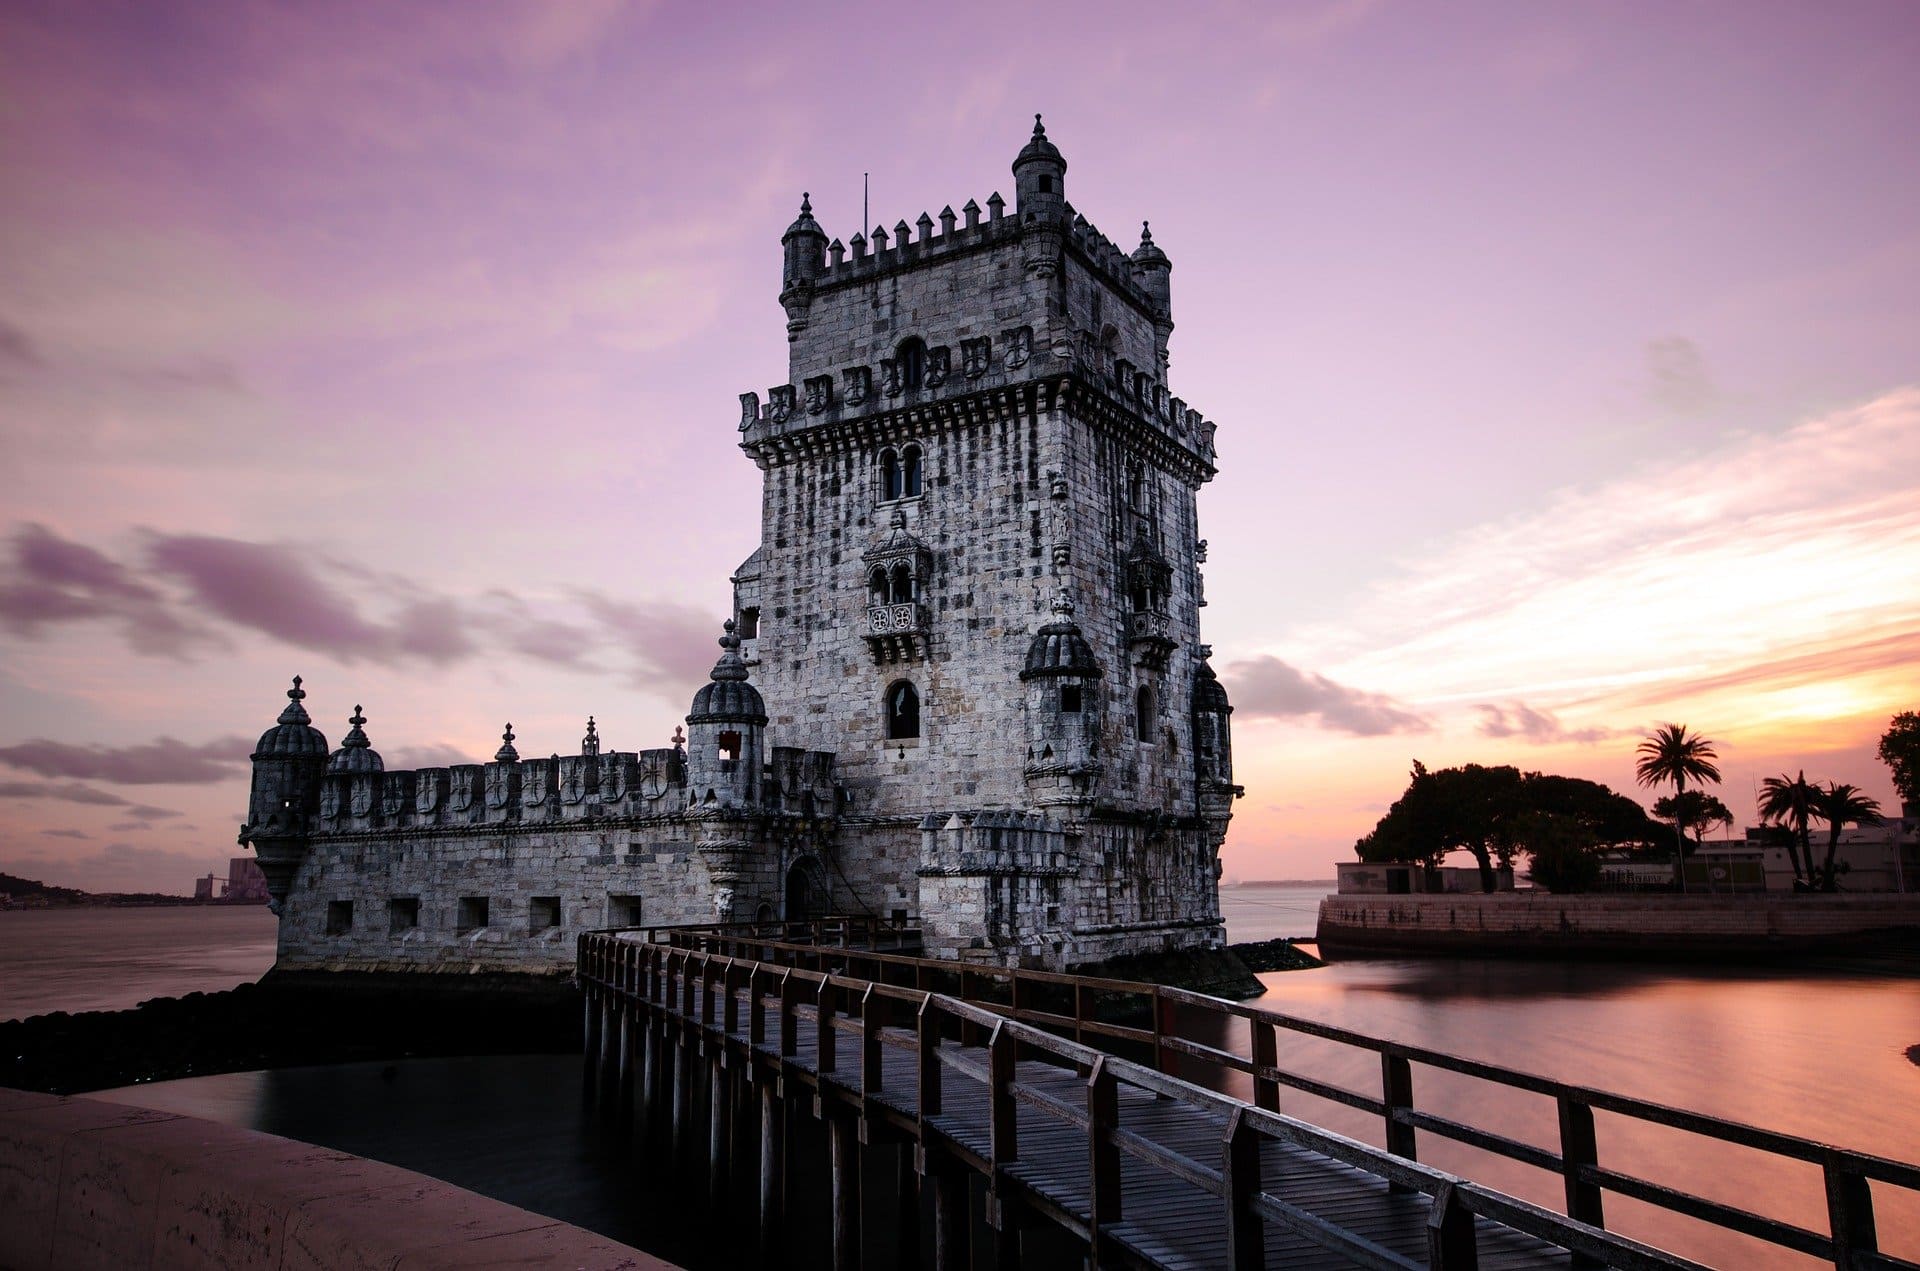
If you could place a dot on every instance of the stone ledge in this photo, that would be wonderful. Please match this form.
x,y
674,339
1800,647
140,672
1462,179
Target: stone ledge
x,y
86,1184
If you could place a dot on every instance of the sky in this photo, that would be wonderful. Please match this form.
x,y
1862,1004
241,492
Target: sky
x,y
1566,362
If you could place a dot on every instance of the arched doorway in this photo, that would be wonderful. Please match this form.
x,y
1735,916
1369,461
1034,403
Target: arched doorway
x,y
803,897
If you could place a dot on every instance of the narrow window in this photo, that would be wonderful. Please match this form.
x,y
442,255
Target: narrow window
x,y
1136,487
1143,713
339,917
750,622
910,471
470,914
889,475
1046,185
902,589
403,913
729,750
543,913
1069,699
912,356
903,711
877,586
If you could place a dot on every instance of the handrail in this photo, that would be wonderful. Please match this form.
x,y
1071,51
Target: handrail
x,y
1032,1016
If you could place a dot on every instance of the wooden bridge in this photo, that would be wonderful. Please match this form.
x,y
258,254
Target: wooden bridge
x,y
1034,1118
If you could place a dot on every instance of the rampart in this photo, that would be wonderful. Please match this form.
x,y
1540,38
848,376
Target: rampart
x,y
86,1184
1522,923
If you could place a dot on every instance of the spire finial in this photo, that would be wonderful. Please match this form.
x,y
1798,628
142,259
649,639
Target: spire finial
x,y
679,737
1063,604
729,640
590,744
295,713
1039,129
357,719
1146,234
898,520
806,203
296,692
506,753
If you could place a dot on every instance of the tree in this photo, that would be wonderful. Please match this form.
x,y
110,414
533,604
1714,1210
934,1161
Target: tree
x,y
1563,855
1696,810
1673,754
1900,751
1839,806
1788,801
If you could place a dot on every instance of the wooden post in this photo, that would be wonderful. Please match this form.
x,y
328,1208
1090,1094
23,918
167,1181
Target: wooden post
x,y
1103,1165
1266,1054
826,1007
609,1046
1850,1213
789,1016
928,1068
589,1039
623,1077
1396,1088
682,1094
756,1008
772,1173
718,1107
1579,1149
873,1022
1240,1173
649,1075
951,1222
1003,1126
1162,1025
844,1153
730,1021
1451,1243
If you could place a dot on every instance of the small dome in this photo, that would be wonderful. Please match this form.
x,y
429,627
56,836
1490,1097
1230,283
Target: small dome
x,y
896,541
1039,149
728,698
356,753
804,223
1148,253
1209,695
294,735
1059,649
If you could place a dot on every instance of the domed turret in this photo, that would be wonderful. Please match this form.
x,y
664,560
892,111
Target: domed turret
x,y
293,734
1040,178
724,742
803,254
356,753
1154,271
1059,649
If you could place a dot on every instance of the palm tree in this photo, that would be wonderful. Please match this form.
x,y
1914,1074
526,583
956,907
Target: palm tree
x,y
1788,801
1672,754
1839,806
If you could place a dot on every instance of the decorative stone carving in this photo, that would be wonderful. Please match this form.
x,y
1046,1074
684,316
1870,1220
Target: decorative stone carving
x,y
939,365
890,376
396,793
819,394
360,795
430,789
462,786
780,403
858,384
975,355
500,784
749,409
1019,346
330,801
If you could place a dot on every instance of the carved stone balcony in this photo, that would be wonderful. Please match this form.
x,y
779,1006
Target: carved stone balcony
x,y
1150,638
897,632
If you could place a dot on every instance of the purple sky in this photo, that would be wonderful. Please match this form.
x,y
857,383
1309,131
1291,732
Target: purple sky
x,y
1566,362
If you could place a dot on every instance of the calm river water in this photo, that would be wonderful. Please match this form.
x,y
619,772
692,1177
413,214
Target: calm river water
x,y
1819,1053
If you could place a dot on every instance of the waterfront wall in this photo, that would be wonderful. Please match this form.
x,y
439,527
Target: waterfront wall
x,y
86,1184
1574,926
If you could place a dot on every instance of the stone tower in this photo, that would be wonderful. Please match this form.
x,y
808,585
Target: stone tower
x,y
288,762
978,578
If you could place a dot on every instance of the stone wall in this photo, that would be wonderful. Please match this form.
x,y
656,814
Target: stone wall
x,y
1571,926
86,1184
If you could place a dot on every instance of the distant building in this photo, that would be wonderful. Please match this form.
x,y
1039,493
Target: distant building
x,y
203,887
246,885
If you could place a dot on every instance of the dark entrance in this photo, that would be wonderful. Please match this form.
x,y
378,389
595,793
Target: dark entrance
x,y
802,898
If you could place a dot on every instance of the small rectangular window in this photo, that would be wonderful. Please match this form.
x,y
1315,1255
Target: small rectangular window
x,y
471,914
623,911
750,622
1070,699
403,913
1046,185
339,917
543,913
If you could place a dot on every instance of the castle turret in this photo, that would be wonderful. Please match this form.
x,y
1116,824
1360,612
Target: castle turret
x,y
1063,712
804,248
356,753
288,763
725,742
1212,748
1040,179
1154,272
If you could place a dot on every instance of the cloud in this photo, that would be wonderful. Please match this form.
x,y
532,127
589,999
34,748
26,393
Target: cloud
x,y
197,374
1517,719
66,834
270,589
17,349
438,755
73,792
163,761
668,646
52,580
1767,559
1677,376
1266,687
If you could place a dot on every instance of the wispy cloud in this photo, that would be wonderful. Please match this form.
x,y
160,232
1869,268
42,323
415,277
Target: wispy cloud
x,y
66,834
1517,719
163,761
1266,687
1677,375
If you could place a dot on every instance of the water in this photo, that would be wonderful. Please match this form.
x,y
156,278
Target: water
x,y
1818,1053
110,959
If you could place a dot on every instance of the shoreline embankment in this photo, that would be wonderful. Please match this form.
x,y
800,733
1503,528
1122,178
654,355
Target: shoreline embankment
x,y
1682,928
86,1184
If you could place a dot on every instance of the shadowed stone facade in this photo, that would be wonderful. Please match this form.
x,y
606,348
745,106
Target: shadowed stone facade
x,y
971,627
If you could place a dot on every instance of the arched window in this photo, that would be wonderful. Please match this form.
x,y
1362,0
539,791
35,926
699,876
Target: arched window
x,y
1136,487
877,586
903,711
1143,713
910,471
889,475
912,356
902,589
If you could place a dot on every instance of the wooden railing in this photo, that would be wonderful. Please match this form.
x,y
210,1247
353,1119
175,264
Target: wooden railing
x,y
1093,1023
